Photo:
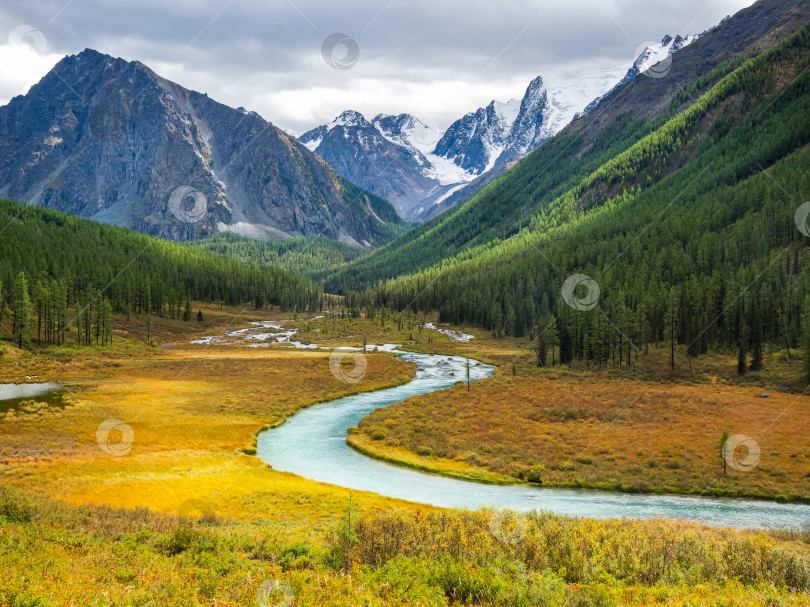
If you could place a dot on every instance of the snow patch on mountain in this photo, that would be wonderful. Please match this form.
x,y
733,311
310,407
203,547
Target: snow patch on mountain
x,y
422,166
648,57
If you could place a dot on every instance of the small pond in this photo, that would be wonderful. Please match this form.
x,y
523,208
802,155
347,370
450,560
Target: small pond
x,y
16,396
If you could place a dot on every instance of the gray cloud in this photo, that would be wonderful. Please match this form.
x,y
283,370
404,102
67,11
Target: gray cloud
x,y
438,59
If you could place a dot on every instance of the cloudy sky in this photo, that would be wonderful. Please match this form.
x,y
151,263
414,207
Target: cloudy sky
x,y
433,58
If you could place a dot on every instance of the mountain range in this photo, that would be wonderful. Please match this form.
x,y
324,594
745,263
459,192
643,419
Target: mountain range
x,y
423,171
634,110
109,139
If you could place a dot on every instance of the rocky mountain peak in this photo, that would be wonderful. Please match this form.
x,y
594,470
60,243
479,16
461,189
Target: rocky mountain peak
x,y
109,139
351,118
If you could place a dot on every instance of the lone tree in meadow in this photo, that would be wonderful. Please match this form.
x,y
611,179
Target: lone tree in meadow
x,y
722,446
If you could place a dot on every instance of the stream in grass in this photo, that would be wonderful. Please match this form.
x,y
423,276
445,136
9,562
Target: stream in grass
x,y
312,444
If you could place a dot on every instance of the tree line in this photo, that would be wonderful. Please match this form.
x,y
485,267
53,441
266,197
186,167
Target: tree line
x,y
62,275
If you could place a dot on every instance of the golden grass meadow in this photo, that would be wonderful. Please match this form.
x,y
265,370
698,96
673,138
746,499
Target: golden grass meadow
x,y
187,516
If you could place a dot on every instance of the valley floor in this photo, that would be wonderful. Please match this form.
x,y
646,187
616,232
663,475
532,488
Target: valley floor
x,y
642,430
221,524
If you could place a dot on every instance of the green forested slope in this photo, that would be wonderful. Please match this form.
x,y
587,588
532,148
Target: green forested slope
x,y
506,205
298,254
66,261
689,232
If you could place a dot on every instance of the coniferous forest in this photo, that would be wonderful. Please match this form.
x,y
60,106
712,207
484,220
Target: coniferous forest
x,y
690,234
60,273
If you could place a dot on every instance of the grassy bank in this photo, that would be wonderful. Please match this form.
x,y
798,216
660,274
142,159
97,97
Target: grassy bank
x,y
53,553
610,429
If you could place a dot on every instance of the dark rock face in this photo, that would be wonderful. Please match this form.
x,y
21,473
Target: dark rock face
x,y
531,128
109,139
471,140
359,152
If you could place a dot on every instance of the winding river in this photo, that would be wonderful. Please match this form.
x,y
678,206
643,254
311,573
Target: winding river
x,y
312,444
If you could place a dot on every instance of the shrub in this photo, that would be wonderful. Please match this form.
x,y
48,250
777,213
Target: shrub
x,y
186,537
535,474
565,466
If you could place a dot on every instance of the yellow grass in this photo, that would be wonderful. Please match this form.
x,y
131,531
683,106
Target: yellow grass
x,y
603,428
194,411
191,408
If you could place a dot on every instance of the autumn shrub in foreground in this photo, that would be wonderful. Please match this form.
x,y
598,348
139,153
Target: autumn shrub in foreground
x,y
53,553
580,550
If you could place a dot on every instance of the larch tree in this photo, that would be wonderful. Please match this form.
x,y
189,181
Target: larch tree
x,y
21,309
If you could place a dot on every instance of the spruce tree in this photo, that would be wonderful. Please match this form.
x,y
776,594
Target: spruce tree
x,y
756,347
552,337
106,314
541,348
22,312
806,338
60,301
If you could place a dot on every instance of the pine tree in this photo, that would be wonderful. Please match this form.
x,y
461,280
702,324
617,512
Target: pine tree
x,y
756,347
542,347
741,359
497,319
106,314
566,339
60,301
22,312
806,338
672,325
41,305
187,311
199,316
722,446
552,337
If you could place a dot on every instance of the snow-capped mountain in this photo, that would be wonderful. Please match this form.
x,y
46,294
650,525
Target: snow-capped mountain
x,y
422,171
415,167
392,155
475,141
654,56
